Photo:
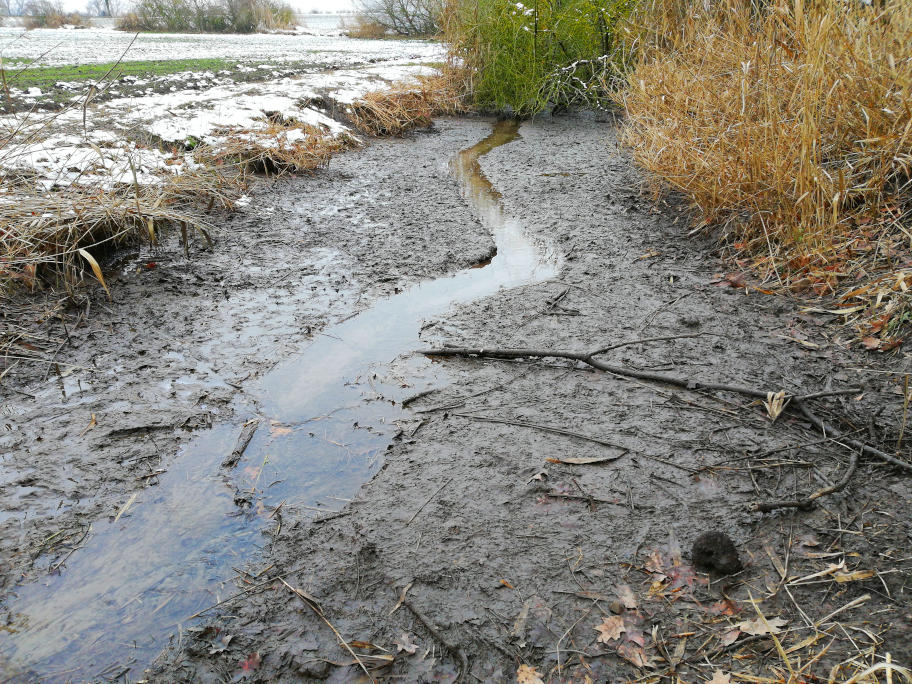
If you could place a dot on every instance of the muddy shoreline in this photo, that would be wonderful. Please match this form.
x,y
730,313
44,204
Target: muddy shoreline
x,y
512,558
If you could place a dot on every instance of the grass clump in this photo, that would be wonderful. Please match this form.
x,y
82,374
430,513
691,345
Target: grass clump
x,y
410,105
791,126
525,57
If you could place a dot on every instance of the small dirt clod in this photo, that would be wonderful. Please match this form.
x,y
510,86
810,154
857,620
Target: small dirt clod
x,y
715,552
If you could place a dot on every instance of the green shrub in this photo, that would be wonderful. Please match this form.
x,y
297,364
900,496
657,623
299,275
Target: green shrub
x,y
551,52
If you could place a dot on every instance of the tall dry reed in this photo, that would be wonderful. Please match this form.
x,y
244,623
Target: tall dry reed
x,y
789,123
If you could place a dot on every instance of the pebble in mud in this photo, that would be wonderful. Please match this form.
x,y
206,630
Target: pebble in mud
x,y
715,552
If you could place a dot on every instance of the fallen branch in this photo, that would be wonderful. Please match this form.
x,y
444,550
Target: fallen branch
x,y
589,360
243,441
829,430
806,502
796,404
454,649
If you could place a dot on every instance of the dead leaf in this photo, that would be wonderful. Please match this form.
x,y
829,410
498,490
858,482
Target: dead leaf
x,y
729,637
96,269
870,343
526,674
277,429
365,645
720,677
401,597
405,643
610,629
625,594
220,645
540,476
634,654
843,577
775,404
252,663
756,627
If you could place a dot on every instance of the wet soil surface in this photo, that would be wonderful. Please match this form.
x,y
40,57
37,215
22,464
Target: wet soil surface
x,y
481,550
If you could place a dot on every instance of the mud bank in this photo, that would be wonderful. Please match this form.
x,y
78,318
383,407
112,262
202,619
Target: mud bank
x,y
174,350
479,549
512,559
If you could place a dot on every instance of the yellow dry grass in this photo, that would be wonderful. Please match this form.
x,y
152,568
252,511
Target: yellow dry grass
x,y
50,235
410,105
43,233
286,147
791,127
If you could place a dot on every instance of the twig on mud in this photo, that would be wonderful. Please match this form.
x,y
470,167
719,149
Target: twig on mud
x,y
315,607
797,402
589,499
544,428
667,305
243,441
454,649
430,498
587,358
327,518
766,507
416,397
837,435
649,339
233,597
462,401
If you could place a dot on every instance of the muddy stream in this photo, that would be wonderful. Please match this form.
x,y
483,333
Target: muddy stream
x,y
325,418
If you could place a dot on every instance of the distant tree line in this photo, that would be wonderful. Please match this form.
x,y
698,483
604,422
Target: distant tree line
x,y
404,17
207,16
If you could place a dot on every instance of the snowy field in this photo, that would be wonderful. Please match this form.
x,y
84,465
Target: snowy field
x,y
322,45
108,142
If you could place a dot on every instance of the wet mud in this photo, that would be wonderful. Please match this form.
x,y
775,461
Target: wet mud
x,y
478,544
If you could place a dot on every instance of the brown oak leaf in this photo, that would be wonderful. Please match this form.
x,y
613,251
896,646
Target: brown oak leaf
x,y
610,629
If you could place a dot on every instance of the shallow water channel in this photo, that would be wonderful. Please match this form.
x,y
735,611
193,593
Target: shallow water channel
x,y
326,417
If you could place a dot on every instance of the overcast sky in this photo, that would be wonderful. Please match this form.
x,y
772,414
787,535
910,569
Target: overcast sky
x,y
322,5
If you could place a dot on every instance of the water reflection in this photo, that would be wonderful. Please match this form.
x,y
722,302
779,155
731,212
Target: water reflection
x,y
328,415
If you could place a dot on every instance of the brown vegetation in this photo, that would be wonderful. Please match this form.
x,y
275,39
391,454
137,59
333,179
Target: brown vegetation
x,y
410,105
361,27
49,235
792,128
50,14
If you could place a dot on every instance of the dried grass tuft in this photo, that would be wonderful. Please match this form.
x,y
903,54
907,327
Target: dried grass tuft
x,y
42,232
278,149
410,105
789,125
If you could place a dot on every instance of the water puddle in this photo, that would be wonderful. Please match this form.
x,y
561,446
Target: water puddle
x,y
326,417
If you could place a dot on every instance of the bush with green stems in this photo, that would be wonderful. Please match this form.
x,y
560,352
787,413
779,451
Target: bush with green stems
x,y
529,55
208,16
